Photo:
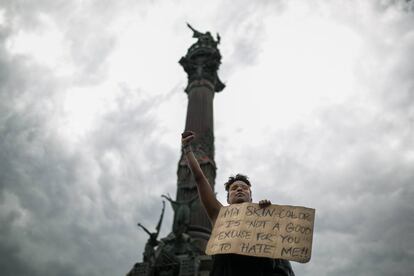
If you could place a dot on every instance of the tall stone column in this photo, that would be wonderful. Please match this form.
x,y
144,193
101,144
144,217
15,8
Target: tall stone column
x,y
201,64
176,254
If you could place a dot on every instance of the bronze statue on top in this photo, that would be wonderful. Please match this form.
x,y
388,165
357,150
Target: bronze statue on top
x,y
206,37
202,61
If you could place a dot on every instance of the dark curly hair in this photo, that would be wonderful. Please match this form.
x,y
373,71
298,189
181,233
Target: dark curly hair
x,y
233,179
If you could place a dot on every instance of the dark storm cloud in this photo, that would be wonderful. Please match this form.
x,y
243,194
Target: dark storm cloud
x,y
61,207
63,204
34,174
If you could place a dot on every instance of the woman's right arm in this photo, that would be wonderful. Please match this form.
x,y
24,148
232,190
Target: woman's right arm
x,y
205,192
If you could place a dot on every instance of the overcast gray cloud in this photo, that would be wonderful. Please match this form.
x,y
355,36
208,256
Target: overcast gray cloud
x,y
318,110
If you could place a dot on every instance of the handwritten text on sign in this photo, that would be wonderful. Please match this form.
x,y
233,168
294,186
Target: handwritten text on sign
x,y
277,231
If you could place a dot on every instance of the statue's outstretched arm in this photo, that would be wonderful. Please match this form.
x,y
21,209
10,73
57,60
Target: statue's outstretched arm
x,y
174,204
145,229
196,33
168,197
189,26
161,217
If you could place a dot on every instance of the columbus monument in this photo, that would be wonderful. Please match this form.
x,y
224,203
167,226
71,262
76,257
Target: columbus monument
x,y
181,253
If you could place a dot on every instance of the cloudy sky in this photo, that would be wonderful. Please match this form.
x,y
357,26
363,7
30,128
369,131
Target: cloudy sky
x,y
318,111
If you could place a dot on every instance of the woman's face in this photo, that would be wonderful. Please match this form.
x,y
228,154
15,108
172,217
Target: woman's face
x,y
239,192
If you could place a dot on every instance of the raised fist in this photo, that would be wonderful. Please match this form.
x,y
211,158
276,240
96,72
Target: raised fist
x,y
187,137
264,203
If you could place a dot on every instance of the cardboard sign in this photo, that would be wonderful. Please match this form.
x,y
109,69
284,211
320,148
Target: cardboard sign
x,y
277,231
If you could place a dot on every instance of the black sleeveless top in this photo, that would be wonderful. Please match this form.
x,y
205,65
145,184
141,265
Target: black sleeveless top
x,y
239,265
